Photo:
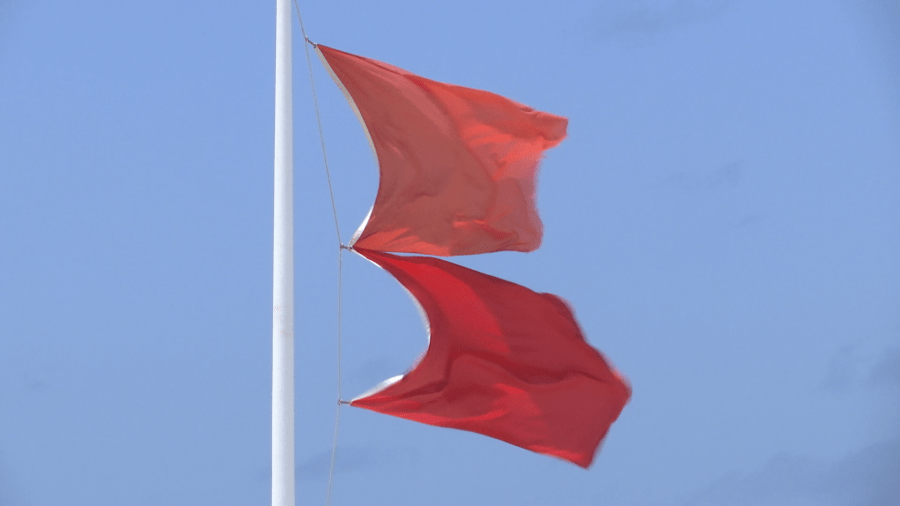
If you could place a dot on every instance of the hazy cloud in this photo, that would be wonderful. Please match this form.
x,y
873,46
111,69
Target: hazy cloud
x,y
727,176
882,23
354,458
621,17
34,384
865,478
852,368
844,370
886,371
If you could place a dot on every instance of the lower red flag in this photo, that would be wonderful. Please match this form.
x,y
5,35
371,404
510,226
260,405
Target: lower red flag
x,y
503,361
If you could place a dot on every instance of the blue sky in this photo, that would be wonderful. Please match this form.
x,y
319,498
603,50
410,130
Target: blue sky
x,y
724,217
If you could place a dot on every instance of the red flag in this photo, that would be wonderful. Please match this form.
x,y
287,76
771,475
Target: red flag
x,y
457,165
502,361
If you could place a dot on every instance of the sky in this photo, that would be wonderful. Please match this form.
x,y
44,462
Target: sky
x,y
724,218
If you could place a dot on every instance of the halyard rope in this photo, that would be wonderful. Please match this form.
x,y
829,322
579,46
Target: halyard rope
x,y
337,228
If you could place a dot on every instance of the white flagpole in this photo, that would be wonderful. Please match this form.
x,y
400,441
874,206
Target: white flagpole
x,y
283,269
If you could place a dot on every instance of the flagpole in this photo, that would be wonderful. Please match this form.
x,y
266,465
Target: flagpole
x,y
283,270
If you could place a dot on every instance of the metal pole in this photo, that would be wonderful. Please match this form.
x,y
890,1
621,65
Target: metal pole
x,y
283,270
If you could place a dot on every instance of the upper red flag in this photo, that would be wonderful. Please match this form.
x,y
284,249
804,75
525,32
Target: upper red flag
x,y
502,361
458,166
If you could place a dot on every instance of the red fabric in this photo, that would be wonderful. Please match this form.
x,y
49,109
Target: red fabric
x,y
502,361
458,166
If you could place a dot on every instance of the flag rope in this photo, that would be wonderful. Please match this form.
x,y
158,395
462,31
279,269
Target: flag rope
x,y
312,84
341,247
337,409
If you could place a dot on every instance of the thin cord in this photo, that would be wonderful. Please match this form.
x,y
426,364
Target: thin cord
x,y
312,84
337,412
341,247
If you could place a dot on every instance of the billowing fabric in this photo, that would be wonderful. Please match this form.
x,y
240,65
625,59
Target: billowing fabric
x,y
502,361
458,166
